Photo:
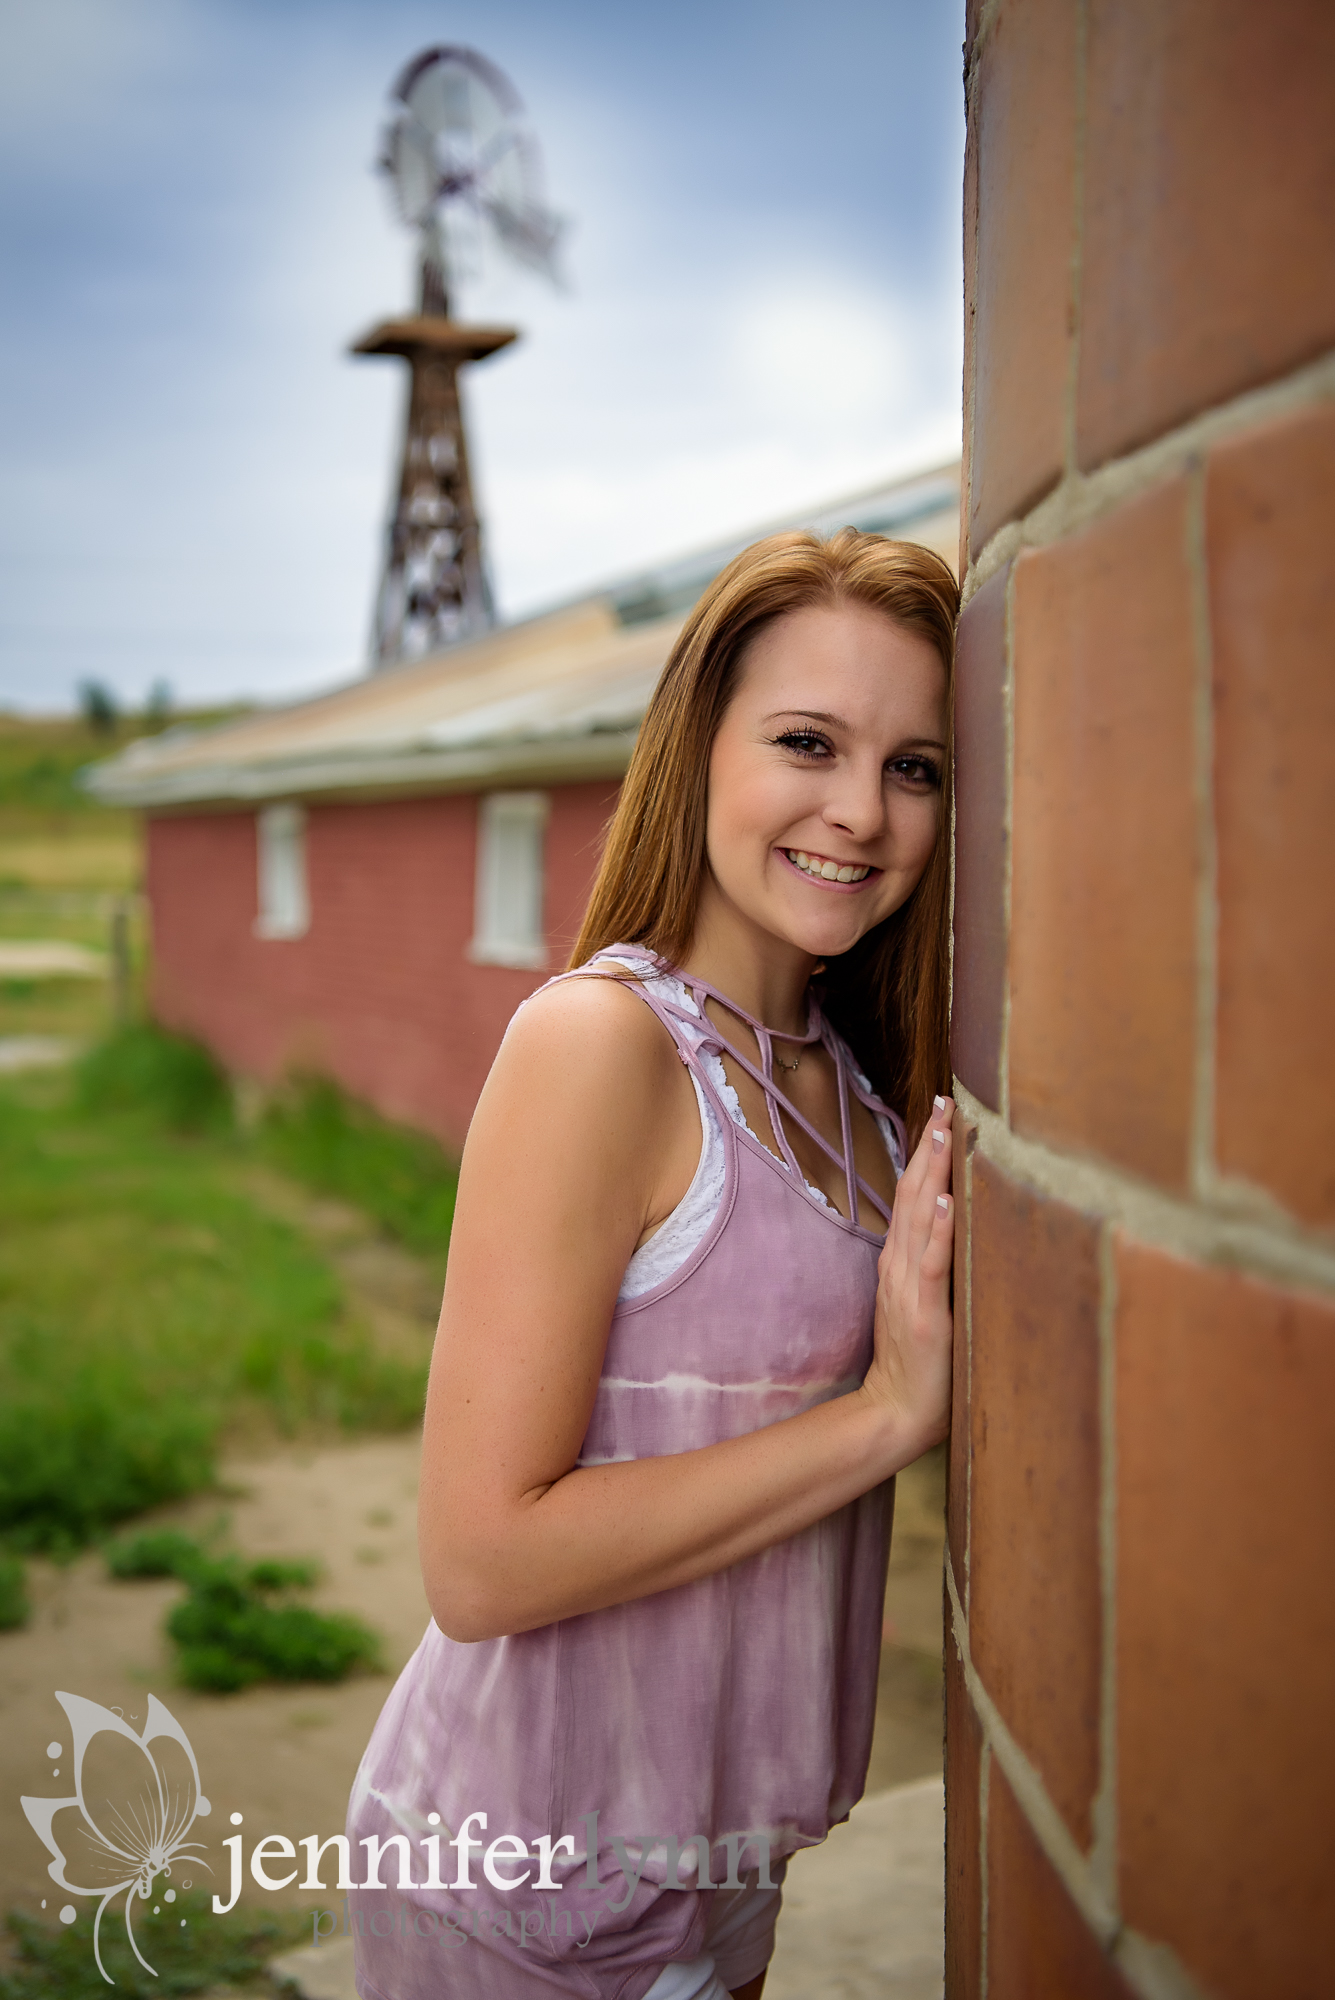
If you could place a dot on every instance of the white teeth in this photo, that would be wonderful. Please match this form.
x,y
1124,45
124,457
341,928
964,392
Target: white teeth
x,y
825,871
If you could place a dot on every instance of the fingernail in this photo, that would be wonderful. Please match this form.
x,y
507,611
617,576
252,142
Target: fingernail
x,y
939,1103
943,1204
938,1141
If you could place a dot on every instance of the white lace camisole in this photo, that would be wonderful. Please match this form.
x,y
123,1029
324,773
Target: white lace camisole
x,y
672,1243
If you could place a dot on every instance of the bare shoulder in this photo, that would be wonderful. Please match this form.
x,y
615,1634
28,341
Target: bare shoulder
x,y
590,1024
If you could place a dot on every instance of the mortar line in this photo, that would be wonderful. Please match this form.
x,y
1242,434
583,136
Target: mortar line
x,y
1207,859
1077,236
1080,498
1238,1230
1048,1827
1104,1851
1151,1968
1154,1969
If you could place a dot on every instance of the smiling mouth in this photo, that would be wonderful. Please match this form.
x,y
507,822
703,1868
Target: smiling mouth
x,y
821,870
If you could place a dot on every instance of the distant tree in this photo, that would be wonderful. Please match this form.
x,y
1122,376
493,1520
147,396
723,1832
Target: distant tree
x,y
158,707
99,706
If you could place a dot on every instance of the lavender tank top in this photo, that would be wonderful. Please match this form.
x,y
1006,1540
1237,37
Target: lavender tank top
x,y
735,1706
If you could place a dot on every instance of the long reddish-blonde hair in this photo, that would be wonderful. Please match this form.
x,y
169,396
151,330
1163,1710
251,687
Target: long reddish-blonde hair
x,y
889,995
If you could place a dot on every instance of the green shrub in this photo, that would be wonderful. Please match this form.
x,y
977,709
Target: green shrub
x,y
231,1633
400,1177
237,1625
76,1459
189,1949
14,1606
157,1552
174,1082
145,1305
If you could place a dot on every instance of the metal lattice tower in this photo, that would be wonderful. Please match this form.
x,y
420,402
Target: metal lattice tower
x,y
433,589
464,167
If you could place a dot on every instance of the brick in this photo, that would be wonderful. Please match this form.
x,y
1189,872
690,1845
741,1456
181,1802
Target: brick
x,y
1209,176
1035,1615
957,1463
1270,498
1039,1947
1226,1622
964,1739
1021,291
1103,1001
979,975
379,993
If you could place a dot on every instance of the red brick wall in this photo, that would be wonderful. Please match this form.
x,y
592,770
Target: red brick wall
x,y
379,992
1141,1522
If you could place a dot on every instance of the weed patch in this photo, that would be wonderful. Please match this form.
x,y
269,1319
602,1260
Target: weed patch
x,y
173,1083
189,1948
238,1623
402,1178
145,1305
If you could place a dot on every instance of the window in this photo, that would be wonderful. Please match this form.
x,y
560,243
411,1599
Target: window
x,y
285,910
507,913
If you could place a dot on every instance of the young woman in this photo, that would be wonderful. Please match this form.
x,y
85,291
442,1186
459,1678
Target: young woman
x,y
697,1316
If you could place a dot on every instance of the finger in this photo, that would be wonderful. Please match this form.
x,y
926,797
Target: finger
x,y
938,1253
911,1181
936,1179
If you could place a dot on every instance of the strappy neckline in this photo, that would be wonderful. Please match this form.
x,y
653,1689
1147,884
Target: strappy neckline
x,y
818,1029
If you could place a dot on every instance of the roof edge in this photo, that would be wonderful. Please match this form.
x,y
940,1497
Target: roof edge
x,y
602,753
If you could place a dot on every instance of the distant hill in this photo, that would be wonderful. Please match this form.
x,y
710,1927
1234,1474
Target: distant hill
x,y
41,757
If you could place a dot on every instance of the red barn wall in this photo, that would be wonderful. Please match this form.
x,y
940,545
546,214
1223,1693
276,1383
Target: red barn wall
x,y
379,993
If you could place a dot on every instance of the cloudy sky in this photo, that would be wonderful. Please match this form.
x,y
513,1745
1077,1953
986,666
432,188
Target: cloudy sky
x,y
763,308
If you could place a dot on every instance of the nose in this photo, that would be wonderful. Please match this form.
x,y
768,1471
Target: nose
x,y
855,804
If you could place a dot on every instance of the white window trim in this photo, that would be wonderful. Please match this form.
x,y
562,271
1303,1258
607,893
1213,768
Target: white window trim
x,y
498,811
283,895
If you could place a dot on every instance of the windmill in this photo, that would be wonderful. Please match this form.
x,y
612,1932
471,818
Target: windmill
x,y
464,169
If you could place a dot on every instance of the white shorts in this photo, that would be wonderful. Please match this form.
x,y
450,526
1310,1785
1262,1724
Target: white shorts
x,y
739,1943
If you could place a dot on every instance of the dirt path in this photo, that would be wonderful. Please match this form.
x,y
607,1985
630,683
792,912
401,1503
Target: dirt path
x,y
284,1757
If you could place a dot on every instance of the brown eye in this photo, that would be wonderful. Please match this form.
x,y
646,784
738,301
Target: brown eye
x,y
804,743
918,771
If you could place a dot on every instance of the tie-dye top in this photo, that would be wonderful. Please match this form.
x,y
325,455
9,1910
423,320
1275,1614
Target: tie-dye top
x,y
738,1705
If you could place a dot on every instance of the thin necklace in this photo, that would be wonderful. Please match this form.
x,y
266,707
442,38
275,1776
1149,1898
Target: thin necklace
x,y
787,1065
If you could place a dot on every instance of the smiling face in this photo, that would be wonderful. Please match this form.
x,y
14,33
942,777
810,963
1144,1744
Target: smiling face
x,y
825,777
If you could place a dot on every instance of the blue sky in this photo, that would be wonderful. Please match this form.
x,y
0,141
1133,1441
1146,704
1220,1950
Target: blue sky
x,y
763,308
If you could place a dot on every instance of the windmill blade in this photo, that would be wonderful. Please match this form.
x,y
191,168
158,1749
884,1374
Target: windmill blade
x,y
456,90
529,232
414,171
459,153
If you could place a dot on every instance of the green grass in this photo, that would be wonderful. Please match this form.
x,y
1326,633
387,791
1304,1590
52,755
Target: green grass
x,y
147,1306
164,1079
402,1178
41,757
189,1949
238,1622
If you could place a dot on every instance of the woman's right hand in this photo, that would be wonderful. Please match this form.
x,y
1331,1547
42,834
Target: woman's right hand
x,y
911,1365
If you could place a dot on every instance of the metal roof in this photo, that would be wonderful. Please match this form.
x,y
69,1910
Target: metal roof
x,y
555,698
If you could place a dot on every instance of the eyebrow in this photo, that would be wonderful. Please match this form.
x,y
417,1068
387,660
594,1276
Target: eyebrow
x,y
838,722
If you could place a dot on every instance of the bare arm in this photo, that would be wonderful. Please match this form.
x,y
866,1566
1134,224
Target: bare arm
x,y
580,1128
